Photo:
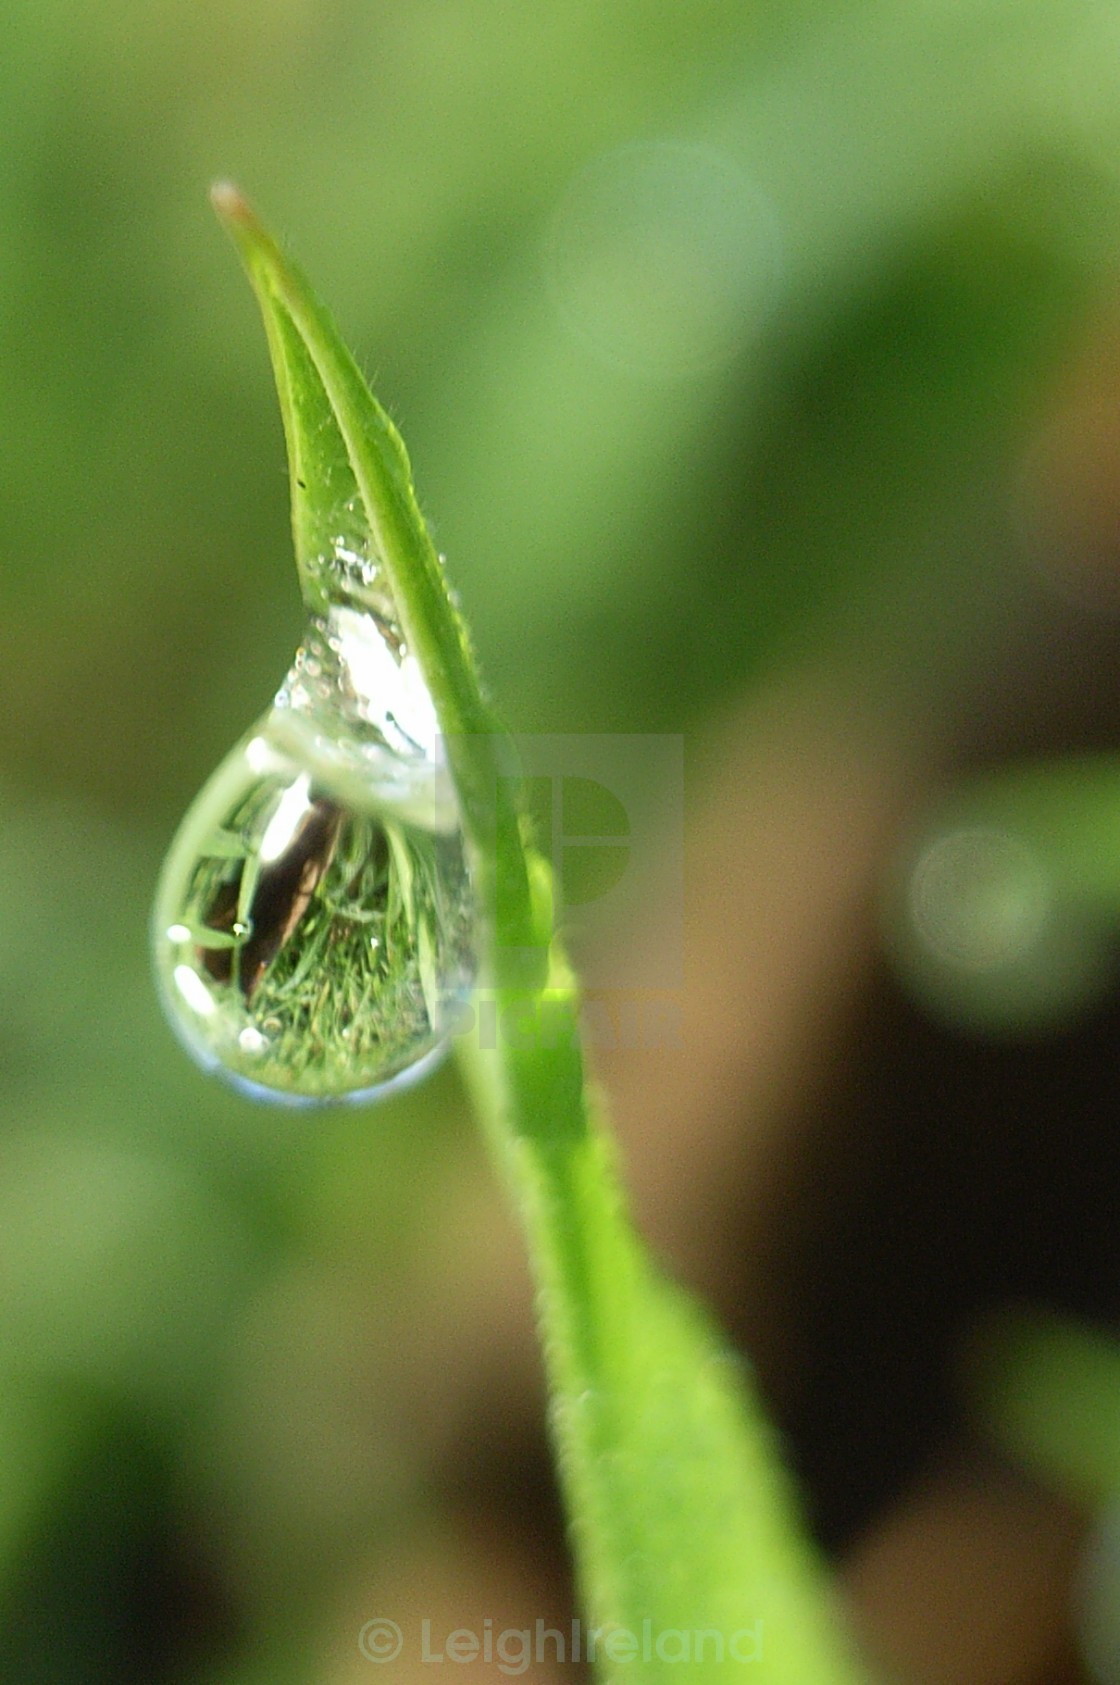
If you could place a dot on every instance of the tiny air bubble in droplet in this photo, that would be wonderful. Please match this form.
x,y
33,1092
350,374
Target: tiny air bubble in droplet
x,y
315,921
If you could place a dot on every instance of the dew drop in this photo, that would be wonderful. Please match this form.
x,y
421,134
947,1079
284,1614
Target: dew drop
x,y
314,928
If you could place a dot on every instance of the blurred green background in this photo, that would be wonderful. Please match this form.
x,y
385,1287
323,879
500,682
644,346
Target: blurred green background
x,y
731,342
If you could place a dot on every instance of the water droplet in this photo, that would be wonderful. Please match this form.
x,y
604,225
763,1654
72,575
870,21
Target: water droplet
x,y
314,926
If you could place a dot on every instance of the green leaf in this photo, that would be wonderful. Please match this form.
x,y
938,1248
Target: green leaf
x,y
689,1549
351,480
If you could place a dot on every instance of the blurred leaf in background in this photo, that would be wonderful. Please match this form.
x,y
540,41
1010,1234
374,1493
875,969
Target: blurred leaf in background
x,y
719,335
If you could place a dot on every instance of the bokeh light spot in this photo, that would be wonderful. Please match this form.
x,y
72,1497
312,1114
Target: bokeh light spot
x,y
978,898
663,258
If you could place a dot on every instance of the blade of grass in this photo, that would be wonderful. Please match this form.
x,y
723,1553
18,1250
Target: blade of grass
x,y
688,1544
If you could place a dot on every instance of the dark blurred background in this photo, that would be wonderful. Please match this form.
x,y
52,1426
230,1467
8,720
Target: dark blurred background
x,y
760,366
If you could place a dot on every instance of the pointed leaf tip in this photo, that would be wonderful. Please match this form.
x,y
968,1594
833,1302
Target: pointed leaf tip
x,y
230,203
350,474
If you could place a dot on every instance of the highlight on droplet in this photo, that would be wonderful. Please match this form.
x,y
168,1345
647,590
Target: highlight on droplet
x,y
191,987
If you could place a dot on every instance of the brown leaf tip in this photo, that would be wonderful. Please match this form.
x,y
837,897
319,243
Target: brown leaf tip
x,y
230,203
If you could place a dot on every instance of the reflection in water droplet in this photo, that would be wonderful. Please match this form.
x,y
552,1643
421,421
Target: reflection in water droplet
x,y
314,927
